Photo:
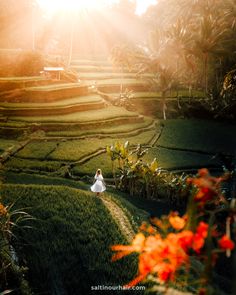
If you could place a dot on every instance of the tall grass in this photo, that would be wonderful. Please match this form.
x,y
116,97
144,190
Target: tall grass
x,y
68,248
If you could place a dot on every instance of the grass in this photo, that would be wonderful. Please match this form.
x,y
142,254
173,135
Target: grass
x,y
6,144
21,79
60,103
63,247
51,154
89,168
188,135
167,159
32,150
150,95
24,178
124,82
31,166
75,149
107,74
171,159
174,94
13,124
135,215
208,136
53,87
104,130
89,116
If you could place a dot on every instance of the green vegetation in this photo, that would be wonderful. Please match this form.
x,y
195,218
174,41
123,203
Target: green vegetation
x,y
51,87
174,71
170,94
75,262
32,150
24,178
124,82
76,149
60,103
174,159
11,274
87,116
102,161
116,129
6,144
21,79
18,164
182,144
207,136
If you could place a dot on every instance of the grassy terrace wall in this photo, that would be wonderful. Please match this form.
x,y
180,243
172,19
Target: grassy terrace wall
x,y
11,83
54,92
56,110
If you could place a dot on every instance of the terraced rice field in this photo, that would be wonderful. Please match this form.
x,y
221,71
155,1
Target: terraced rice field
x,y
72,124
60,130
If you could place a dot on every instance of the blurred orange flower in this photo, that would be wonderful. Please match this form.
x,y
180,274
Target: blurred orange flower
x,y
202,229
208,187
3,210
185,239
177,222
226,243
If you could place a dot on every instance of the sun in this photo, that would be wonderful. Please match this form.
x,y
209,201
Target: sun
x,y
142,5
52,6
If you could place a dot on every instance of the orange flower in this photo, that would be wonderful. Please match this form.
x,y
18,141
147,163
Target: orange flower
x,y
185,239
208,186
177,222
143,226
199,237
137,246
204,194
3,210
153,242
146,265
165,272
198,243
138,242
203,172
147,262
226,243
156,221
202,229
151,230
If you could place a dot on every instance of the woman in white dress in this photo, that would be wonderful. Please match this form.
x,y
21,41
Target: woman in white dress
x,y
99,185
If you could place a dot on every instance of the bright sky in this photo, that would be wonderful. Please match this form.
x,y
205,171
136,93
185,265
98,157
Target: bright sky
x,y
142,5
54,5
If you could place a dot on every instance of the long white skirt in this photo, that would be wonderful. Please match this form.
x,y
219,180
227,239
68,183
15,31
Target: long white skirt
x,y
98,187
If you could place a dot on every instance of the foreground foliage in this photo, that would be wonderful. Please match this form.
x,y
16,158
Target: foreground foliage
x,y
11,274
170,247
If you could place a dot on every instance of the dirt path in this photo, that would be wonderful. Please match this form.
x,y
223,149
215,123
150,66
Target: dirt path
x,y
120,218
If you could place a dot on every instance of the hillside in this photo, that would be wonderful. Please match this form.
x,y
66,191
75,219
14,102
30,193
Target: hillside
x,y
67,246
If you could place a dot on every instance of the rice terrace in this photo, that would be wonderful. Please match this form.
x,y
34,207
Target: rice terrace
x,y
117,147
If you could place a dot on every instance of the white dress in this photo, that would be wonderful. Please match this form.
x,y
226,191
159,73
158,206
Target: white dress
x,y
98,186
